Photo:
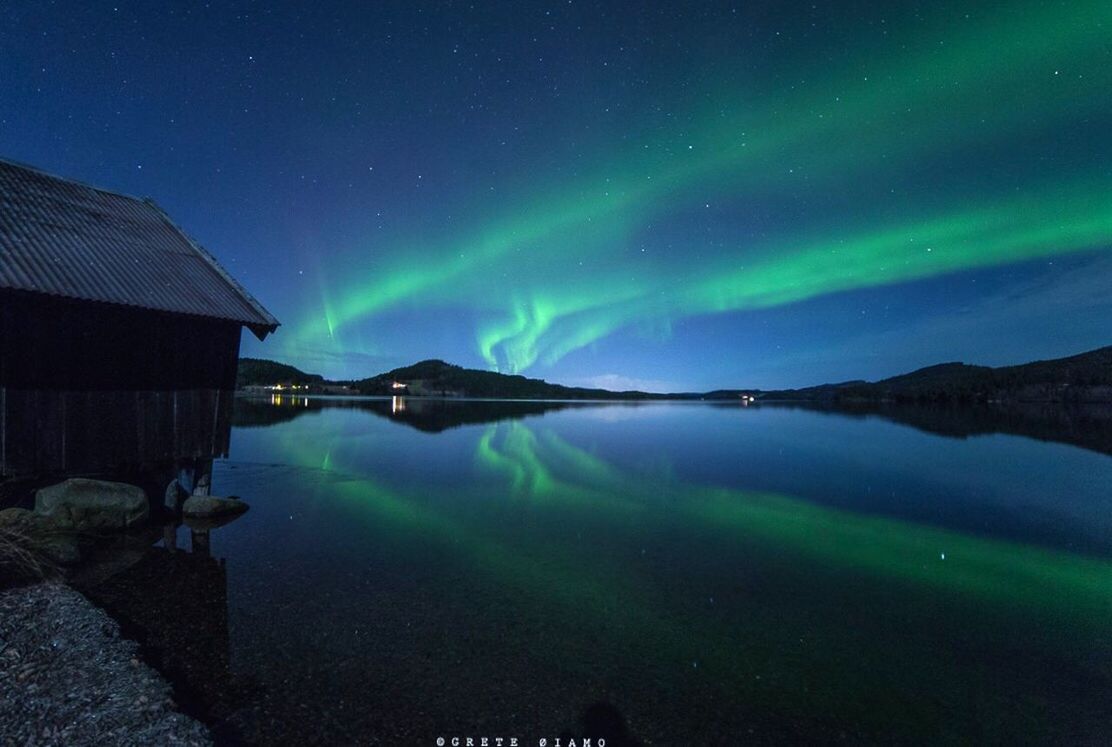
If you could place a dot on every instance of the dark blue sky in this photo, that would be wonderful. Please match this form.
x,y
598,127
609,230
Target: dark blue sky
x,y
662,195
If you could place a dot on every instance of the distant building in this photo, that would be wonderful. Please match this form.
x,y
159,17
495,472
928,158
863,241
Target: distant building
x,y
119,336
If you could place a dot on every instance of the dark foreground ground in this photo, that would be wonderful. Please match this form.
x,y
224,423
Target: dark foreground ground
x,y
67,677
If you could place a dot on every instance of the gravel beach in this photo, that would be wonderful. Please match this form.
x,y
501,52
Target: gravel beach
x,y
68,678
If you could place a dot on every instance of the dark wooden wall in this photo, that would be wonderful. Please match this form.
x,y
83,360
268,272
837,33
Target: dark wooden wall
x,y
65,345
88,388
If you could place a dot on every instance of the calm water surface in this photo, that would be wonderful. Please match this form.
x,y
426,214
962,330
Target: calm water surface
x,y
666,573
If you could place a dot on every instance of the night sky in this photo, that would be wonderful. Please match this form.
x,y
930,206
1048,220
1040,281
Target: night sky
x,y
668,196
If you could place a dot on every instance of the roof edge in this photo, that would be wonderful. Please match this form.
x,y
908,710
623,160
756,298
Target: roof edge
x,y
59,177
260,330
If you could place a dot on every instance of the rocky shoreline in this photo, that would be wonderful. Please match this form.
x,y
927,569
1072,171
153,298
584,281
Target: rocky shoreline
x,y
68,677
66,674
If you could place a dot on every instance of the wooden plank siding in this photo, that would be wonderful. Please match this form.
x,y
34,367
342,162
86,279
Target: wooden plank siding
x,y
92,388
50,432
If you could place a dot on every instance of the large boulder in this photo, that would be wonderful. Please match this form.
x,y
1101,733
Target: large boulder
x,y
211,507
93,505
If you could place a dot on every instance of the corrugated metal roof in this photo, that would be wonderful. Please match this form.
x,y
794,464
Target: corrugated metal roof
x,y
64,238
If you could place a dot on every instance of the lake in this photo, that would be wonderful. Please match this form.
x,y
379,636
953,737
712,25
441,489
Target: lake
x,y
663,573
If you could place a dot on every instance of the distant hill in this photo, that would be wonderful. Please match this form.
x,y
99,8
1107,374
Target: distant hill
x,y
1079,378
262,372
438,378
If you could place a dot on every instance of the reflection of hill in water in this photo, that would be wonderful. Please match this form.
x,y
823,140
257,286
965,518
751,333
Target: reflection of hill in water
x,y
260,412
1087,426
430,415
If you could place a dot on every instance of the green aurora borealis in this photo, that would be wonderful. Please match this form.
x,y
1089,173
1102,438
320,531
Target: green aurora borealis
x,y
974,103
673,196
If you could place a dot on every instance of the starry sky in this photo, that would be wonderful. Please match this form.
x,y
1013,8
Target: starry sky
x,y
660,195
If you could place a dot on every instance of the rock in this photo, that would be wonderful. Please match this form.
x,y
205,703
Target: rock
x,y
84,504
211,506
174,495
16,518
42,536
60,548
28,523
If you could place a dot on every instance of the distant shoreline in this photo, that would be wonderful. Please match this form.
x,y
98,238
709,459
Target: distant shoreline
x,y
1084,378
666,398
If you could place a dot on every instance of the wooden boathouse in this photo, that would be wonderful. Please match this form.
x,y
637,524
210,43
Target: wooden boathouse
x,y
119,335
